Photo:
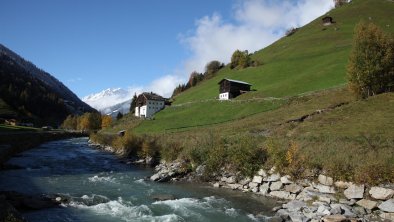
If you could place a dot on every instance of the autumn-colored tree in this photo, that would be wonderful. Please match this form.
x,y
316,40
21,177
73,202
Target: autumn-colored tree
x,y
240,59
212,68
370,70
89,121
70,123
106,121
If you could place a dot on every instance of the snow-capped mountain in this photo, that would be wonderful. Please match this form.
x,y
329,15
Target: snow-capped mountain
x,y
110,100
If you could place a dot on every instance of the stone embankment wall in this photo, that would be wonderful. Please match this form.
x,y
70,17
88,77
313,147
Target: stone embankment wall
x,y
316,199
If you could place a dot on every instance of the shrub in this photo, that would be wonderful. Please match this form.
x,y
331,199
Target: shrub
x,y
371,65
240,59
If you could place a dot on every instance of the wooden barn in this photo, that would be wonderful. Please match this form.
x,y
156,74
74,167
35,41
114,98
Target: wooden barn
x,y
327,20
148,104
230,88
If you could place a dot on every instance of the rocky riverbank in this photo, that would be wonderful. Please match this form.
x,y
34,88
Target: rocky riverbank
x,y
318,198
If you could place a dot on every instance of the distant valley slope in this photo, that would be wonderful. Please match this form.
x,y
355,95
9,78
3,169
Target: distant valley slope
x,y
31,94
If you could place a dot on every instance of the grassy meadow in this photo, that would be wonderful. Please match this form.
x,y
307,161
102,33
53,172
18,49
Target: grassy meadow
x,y
301,116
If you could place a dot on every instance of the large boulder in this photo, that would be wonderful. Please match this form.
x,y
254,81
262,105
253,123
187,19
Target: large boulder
x,y
387,206
325,180
293,188
295,205
325,189
334,218
387,216
354,192
380,193
283,195
286,179
262,173
264,188
257,179
276,185
367,204
272,178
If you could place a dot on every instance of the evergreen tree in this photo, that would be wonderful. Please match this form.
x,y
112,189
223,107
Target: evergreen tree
x,y
119,116
133,103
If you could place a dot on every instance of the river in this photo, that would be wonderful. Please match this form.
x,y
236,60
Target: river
x,y
102,188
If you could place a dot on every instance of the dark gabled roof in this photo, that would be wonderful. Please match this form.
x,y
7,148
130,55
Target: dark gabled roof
x,y
235,81
152,96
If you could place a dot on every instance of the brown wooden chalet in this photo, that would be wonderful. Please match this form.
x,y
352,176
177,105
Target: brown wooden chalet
x,y
327,20
230,88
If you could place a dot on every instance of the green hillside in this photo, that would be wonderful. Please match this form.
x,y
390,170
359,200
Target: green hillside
x,y
301,103
313,58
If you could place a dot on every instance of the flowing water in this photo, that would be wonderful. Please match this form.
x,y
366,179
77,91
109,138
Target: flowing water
x,y
102,188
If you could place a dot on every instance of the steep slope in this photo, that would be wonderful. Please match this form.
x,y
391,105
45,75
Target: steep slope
x,y
313,58
34,94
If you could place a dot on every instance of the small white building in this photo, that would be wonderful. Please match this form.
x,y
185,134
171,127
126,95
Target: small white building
x,y
148,104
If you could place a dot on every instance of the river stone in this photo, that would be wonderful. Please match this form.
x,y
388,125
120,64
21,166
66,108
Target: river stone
x,y
272,178
346,210
325,180
216,185
387,206
283,195
334,218
245,181
264,188
354,192
293,188
286,179
367,204
380,193
255,189
162,197
276,185
262,173
155,177
325,199
294,205
387,216
257,179
325,189
231,179
360,211
297,217
253,185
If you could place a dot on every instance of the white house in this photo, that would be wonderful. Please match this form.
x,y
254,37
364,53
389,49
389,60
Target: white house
x,y
148,104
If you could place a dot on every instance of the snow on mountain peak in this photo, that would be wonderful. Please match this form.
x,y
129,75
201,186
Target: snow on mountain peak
x,y
109,97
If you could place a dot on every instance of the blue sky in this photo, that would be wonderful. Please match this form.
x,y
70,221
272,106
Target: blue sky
x,y
91,45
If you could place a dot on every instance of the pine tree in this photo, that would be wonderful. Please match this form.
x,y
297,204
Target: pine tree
x,y
133,103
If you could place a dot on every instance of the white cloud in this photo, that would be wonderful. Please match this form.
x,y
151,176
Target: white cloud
x,y
257,24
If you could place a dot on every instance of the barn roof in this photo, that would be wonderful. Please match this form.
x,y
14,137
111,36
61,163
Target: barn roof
x,y
235,81
152,96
